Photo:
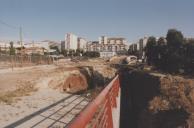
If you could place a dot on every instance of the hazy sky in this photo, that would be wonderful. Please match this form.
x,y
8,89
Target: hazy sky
x,y
51,19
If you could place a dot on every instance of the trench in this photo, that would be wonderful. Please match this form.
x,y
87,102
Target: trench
x,y
137,89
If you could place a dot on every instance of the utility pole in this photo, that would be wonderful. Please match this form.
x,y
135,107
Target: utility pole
x,y
21,43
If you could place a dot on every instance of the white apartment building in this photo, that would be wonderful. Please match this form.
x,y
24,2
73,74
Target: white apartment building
x,y
143,43
71,41
5,45
82,43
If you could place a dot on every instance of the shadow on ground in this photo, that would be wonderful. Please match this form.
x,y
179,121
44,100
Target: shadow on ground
x,y
137,89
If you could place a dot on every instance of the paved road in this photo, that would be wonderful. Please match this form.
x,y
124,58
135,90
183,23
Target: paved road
x,y
57,115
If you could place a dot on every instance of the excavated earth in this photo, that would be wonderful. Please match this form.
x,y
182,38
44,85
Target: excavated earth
x,y
28,89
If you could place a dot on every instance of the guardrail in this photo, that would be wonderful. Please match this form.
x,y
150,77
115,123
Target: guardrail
x,y
99,113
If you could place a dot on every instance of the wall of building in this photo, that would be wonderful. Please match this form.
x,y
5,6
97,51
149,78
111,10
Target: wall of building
x,y
82,44
71,41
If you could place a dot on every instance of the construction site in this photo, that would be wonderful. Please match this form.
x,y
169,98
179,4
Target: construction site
x,y
56,94
28,89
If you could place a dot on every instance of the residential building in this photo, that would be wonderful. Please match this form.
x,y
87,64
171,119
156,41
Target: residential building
x,y
93,46
82,44
55,45
142,43
112,44
71,41
107,54
34,50
5,46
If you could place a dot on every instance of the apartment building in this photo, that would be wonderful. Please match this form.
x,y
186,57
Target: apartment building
x,y
82,44
105,44
71,41
94,46
112,43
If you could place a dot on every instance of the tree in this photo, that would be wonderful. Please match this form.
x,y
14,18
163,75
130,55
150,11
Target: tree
x,y
171,54
64,52
174,39
11,49
79,52
71,52
189,56
161,52
161,41
174,56
92,54
150,50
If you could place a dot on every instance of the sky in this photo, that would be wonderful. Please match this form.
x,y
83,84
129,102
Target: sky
x,y
132,19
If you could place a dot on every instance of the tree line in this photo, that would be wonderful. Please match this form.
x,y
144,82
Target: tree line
x,y
173,54
80,52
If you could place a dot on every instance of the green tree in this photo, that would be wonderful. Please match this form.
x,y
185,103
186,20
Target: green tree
x,y
78,52
92,54
174,58
150,50
171,54
174,39
11,49
64,52
189,56
71,52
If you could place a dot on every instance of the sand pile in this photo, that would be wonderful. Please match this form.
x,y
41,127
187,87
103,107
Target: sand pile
x,y
117,59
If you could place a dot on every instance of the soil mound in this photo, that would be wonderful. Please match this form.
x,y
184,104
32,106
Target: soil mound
x,y
75,83
117,59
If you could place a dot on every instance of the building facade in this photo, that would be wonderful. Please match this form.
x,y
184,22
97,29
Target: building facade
x,y
105,44
71,41
82,44
113,44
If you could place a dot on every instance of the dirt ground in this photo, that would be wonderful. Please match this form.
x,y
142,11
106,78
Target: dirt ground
x,y
27,89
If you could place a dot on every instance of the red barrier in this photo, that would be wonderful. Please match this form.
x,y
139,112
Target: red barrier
x,y
98,114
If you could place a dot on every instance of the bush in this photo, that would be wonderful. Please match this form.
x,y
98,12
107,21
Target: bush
x,y
176,93
92,54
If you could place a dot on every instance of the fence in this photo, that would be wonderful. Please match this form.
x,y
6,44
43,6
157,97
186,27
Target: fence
x,y
7,61
99,113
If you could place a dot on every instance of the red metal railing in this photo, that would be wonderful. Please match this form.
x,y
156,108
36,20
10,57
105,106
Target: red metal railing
x,y
98,114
